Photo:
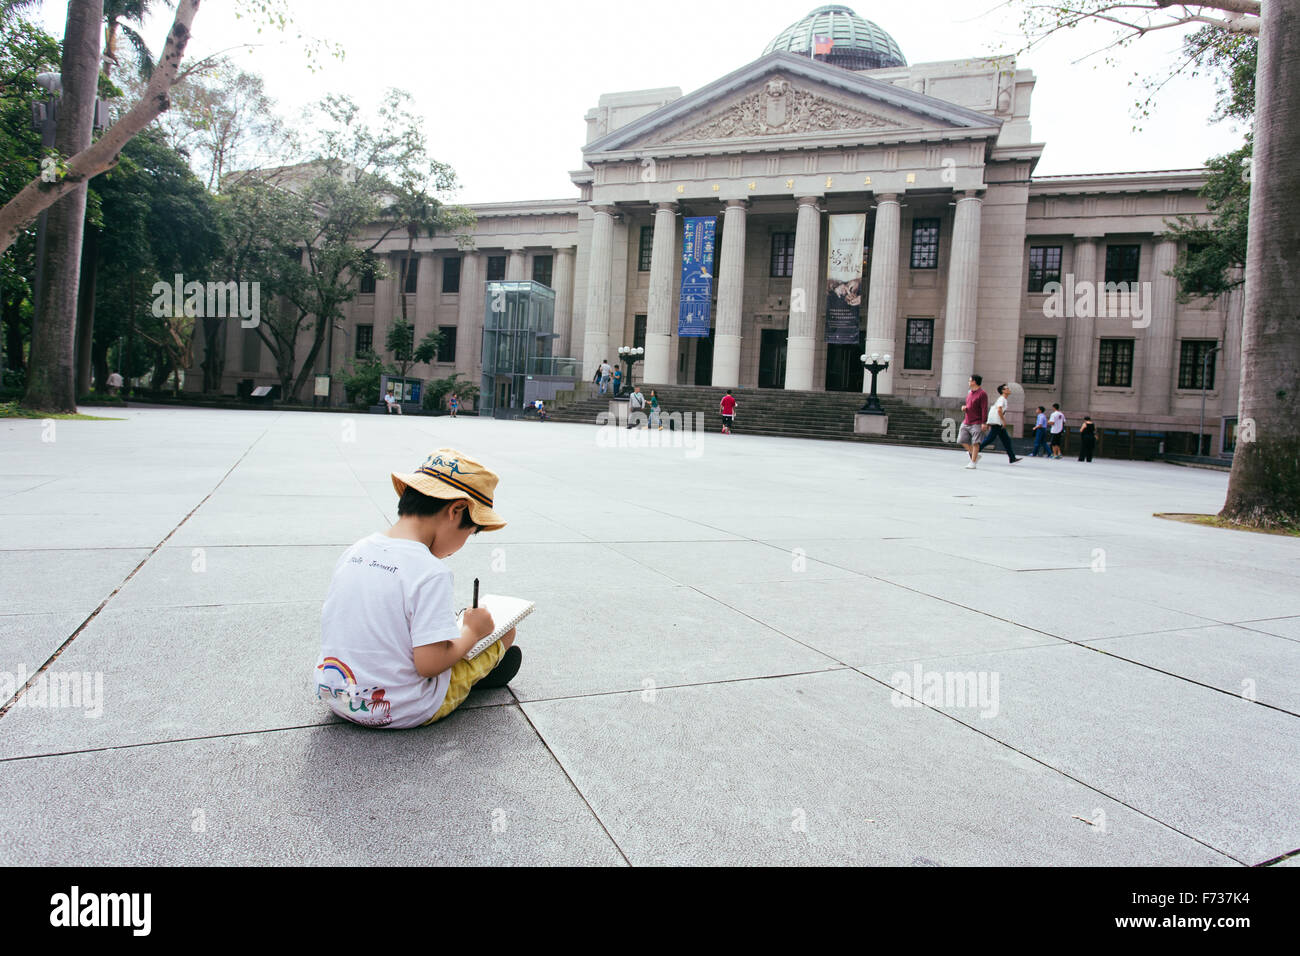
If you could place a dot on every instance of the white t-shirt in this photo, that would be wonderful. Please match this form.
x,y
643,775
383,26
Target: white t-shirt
x,y
993,410
388,596
1057,419
605,370
115,381
389,398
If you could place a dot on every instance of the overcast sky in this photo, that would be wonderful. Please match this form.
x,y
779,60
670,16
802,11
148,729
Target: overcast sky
x,y
505,84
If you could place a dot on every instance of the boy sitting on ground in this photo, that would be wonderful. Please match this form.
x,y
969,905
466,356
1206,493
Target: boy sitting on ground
x,y
392,654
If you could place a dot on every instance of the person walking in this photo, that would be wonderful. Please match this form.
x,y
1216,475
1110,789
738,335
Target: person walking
x,y
618,381
972,425
997,422
114,382
654,411
728,407
1040,433
635,406
1087,439
606,376
454,404
1056,424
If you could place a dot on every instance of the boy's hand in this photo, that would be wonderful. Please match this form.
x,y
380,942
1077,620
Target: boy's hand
x,y
479,621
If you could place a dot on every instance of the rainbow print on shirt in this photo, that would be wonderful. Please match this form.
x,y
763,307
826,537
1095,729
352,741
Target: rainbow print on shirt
x,y
366,705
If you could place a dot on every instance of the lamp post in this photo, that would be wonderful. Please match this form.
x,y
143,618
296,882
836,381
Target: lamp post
x,y
872,363
1205,361
631,356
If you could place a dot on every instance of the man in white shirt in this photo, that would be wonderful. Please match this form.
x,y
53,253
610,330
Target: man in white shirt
x,y
114,383
391,401
635,408
1056,423
997,423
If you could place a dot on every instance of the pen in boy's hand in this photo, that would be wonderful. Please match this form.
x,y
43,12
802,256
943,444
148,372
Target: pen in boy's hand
x,y
475,592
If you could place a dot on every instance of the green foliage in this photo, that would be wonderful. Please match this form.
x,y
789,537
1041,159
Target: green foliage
x,y
437,390
400,343
427,350
361,379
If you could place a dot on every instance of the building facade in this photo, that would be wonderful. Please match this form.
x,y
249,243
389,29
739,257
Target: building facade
x,y
970,262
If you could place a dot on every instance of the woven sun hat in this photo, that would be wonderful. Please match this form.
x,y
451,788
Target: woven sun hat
x,y
448,473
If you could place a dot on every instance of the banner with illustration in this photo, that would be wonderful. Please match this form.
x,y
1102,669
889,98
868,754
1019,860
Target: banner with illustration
x,y
697,276
844,278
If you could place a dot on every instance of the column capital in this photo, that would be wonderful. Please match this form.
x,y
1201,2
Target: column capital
x,y
970,194
809,200
887,197
568,247
608,209
669,206
737,203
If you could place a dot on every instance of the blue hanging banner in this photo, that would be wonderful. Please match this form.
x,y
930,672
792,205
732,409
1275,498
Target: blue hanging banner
x,y
697,276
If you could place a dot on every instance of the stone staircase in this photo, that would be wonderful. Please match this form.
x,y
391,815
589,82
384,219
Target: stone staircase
x,y
788,414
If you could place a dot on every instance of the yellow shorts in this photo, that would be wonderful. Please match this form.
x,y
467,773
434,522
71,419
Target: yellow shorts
x,y
464,675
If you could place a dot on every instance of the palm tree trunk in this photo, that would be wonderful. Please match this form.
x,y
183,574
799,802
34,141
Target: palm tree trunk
x,y
51,380
1264,487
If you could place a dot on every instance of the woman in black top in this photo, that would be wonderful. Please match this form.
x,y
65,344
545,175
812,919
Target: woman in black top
x,y
1087,439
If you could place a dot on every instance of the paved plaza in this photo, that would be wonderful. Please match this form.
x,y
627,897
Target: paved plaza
x,y
746,651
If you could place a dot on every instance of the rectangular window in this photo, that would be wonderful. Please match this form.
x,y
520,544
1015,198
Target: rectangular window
x,y
1122,263
645,253
919,352
496,268
1038,362
412,273
925,243
542,270
451,275
1115,363
367,279
782,255
447,344
638,332
365,339
1044,266
1196,361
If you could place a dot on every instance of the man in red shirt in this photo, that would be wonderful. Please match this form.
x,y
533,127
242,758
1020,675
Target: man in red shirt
x,y
728,412
972,426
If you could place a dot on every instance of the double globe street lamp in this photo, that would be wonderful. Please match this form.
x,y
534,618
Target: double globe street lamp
x,y
631,355
873,363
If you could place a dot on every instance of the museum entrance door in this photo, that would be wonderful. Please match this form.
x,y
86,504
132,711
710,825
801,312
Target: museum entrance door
x,y
771,358
844,366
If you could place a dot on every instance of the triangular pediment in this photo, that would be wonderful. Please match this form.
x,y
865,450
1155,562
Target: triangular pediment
x,y
783,95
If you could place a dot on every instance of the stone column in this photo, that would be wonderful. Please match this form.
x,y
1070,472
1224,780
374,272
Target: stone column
x,y
386,308
882,306
469,318
595,345
731,296
1230,386
1158,343
427,288
516,265
1076,381
805,296
963,292
563,298
658,367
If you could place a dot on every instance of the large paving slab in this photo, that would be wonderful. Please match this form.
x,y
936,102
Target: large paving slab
x,y
822,769
478,788
1211,764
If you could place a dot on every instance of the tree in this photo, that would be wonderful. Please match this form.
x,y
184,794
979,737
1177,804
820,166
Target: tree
x,y
51,375
1264,485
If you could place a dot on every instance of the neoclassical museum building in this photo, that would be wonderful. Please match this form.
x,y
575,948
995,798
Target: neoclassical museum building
x,y
827,143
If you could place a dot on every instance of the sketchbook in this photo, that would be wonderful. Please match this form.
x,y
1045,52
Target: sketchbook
x,y
506,613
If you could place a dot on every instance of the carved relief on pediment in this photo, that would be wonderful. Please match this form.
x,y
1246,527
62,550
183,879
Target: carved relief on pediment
x,y
781,108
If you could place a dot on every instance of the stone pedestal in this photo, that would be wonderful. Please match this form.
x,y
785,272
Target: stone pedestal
x,y
870,424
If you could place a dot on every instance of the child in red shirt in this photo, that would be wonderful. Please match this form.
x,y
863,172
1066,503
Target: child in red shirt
x,y
728,412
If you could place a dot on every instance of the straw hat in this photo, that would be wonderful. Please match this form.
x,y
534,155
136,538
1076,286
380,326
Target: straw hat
x,y
448,473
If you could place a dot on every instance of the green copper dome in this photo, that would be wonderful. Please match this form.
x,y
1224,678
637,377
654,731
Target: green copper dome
x,y
854,43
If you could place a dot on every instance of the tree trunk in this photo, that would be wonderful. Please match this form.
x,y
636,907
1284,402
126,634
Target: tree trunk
x,y
51,379
86,309
99,359
1264,487
214,358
